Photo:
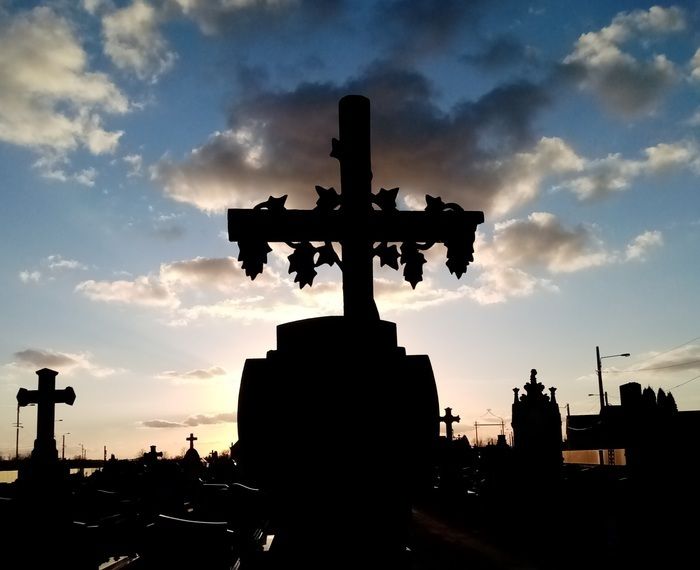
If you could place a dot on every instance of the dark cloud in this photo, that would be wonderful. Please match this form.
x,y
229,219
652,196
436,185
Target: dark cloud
x,y
415,28
193,421
500,53
278,143
45,358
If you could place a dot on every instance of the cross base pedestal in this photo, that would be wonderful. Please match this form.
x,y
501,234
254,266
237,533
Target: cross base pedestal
x,y
339,426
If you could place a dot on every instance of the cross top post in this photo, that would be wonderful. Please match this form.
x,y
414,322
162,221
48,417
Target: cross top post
x,y
362,222
448,419
46,398
191,439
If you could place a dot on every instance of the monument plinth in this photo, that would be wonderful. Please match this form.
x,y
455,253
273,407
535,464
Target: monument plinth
x,y
337,423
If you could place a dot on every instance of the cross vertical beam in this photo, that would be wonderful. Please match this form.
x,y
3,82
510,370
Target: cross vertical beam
x,y
354,153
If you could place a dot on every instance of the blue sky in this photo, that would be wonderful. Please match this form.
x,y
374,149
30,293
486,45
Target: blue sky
x,y
128,128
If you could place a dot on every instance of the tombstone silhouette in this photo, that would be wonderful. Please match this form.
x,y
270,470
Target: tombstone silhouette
x,y
46,398
448,419
342,490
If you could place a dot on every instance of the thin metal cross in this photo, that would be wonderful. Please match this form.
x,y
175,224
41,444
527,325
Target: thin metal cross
x,y
351,219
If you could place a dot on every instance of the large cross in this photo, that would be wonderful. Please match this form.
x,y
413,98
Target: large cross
x,y
351,219
191,439
448,419
46,398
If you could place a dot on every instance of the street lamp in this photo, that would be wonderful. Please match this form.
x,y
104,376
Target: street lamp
x,y
63,445
599,369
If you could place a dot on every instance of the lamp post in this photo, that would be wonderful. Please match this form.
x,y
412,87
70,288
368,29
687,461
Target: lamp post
x,y
599,369
63,446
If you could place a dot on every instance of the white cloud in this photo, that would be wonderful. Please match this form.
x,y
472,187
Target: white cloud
x,y
30,276
523,173
135,162
52,167
143,290
63,362
542,240
196,374
695,66
625,84
58,262
604,176
640,246
133,42
499,284
49,101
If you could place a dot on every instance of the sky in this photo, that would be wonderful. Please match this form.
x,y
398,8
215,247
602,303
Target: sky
x,y
128,128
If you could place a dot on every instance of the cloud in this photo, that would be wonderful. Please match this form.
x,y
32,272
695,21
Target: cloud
x,y
161,424
52,167
414,28
27,276
196,374
201,272
143,290
640,246
500,53
58,263
64,362
499,284
280,140
135,163
623,83
695,66
210,419
50,101
249,17
192,421
133,42
604,176
542,240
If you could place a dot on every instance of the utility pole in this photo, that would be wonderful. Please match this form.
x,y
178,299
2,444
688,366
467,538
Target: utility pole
x,y
599,367
17,436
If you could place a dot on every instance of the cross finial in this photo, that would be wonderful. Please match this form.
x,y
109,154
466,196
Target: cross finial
x,y
191,439
365,224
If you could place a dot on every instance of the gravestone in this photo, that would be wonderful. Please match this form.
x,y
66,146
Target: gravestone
x,y
311,415
46,398
448,419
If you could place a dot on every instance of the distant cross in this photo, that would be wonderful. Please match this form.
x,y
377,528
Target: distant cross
x,y
191,439
153,455
448,419
46,398
350,219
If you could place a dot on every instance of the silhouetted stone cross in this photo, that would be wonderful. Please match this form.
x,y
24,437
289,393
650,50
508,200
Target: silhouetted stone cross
x,y
153,455
46,398
448,419
191,439
351,219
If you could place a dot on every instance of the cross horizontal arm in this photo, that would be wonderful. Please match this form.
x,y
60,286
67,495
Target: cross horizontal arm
x,y
312,225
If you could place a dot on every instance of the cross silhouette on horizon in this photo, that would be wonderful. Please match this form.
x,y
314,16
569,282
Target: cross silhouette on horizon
x,y
191,439
351,219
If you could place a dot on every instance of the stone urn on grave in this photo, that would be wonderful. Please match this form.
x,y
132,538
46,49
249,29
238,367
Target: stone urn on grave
x,y
315,415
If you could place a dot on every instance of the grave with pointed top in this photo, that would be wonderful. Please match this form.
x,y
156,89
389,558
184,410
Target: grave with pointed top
x,y
350,367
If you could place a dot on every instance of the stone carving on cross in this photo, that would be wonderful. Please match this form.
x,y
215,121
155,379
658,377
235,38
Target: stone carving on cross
x,y
365,224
